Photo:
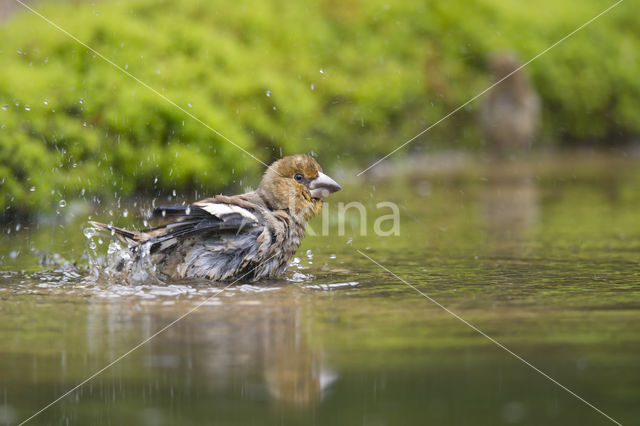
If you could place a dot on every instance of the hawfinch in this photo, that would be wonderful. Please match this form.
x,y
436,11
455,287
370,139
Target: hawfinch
x,y
248,236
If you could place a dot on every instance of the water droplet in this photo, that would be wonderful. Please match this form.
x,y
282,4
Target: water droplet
x,y
92,245
114,247
32,189
349,241
321,71
126,66
81,101
27,108
125,213
268,93
313,86
332,256
5,107
89,232
46,102
187,210
62,204
190,104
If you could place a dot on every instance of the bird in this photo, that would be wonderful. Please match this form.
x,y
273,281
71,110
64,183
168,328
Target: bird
x,y
248,236
510,116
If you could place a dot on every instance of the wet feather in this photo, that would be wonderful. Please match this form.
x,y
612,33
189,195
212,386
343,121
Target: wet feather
x,y
251,235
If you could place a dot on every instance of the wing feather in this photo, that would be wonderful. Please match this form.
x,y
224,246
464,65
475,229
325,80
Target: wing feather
x,y
196,218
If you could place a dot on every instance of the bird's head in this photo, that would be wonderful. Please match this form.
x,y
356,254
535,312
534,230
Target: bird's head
x,y
296,183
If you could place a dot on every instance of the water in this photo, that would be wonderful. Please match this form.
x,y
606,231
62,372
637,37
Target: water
x,y
542,256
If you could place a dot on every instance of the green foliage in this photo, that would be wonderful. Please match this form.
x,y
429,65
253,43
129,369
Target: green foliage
x,y
349,80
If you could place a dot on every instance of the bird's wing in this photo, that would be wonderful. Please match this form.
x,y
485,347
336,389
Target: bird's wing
x,y
203,216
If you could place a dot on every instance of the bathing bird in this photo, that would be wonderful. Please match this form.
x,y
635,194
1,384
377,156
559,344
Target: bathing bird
x,y
249,236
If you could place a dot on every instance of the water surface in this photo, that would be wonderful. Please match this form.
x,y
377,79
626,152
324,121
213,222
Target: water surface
x,y
543,256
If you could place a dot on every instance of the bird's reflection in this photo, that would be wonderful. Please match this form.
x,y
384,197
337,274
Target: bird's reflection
x,y
293,372
247,342
510,205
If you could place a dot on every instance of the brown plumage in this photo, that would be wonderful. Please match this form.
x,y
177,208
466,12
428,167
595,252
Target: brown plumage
x,y
510,114
249,236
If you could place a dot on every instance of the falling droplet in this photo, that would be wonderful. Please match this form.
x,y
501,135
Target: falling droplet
x,y
32,189
190,104
125,213
81,101
27,108
313,87
321,71
5,107
187,210
268,93
89,232
46,102
62,204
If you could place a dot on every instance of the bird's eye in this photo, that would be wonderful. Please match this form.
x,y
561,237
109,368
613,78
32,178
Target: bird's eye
x,y
298,177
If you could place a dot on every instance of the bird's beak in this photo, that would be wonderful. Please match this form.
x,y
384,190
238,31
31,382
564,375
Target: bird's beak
x,y
322,186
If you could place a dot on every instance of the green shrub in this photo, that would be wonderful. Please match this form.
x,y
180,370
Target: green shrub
x,y
349,80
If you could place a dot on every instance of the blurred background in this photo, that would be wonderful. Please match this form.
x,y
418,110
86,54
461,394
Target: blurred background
x,y
348,81
519,212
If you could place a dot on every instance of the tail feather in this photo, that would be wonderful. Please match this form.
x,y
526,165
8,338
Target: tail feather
x,y
122,234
